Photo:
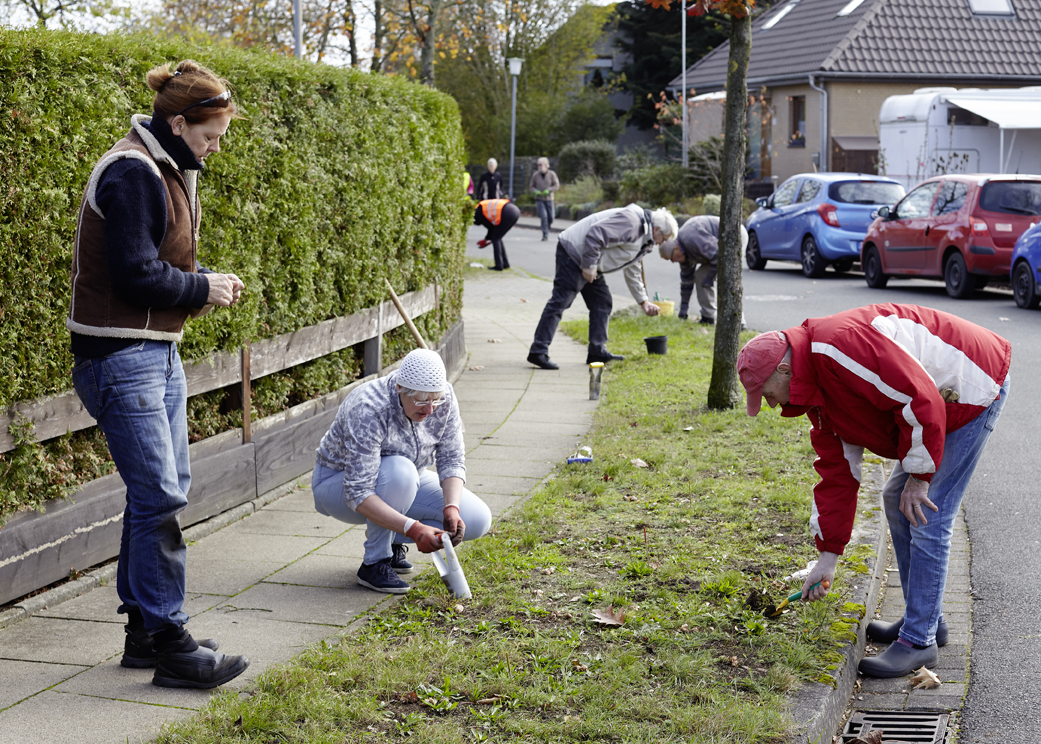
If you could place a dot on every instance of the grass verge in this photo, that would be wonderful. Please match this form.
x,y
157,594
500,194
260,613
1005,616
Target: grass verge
x,y
691,547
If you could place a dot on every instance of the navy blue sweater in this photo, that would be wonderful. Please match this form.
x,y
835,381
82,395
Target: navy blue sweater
x,y
133,200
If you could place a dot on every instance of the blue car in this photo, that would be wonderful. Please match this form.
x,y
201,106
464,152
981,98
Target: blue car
x,y
1025,273
817,219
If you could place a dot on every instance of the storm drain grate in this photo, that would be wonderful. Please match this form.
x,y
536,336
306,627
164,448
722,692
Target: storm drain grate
x,y
898,726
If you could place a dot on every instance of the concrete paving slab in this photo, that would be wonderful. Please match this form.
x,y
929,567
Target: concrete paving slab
x,y
499,503
242,546
549,419
317,570
100,605
507,467
506,451
302,500
227,578
484,484
525,431
23,679
304,524
110,721
49,639
302,604
110,680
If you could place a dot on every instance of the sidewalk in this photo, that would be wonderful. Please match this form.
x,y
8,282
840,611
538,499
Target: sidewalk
x,y
271,583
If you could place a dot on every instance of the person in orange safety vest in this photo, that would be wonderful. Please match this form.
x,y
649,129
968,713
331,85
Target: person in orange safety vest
x,y
498,215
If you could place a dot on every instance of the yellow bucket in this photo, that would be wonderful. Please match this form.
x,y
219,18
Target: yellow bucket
x,y
665,306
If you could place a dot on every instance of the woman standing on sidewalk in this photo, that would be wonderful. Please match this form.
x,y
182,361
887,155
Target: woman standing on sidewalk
x,y
371,468
135,281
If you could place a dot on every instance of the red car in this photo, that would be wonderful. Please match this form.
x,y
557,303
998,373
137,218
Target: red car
x,y
959,227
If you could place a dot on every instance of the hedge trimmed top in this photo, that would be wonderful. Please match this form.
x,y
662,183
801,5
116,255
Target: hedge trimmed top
x,y
334,180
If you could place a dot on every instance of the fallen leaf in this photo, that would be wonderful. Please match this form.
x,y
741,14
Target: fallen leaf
x,y
538,592
734,661
523,300
476,368
495,340
688,428
608,477
459,608
609,616
639,463
549,570
872,737
925,680
488,701
408,697
684,628
630,497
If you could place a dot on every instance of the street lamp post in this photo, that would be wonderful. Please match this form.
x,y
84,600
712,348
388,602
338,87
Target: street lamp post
x,y
298,37
683,78
515,68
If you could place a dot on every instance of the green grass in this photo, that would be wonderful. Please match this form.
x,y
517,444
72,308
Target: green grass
x,y
691,547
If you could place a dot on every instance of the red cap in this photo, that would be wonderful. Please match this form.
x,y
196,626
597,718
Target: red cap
x,y
756,362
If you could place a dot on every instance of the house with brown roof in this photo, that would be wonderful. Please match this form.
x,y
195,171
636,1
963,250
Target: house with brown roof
x,y
820,70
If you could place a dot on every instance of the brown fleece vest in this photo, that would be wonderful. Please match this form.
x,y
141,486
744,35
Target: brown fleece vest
x,y
95,309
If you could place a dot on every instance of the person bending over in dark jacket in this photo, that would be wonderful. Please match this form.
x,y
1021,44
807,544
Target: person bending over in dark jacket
x,y
498,215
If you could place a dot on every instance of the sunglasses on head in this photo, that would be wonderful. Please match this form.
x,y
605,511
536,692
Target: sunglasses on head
x,y
218,101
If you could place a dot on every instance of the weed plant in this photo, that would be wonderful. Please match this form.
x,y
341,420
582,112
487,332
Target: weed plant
x,y
691,548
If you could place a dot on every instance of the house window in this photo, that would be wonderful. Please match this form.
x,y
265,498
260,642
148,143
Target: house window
x,y
991,7
797,117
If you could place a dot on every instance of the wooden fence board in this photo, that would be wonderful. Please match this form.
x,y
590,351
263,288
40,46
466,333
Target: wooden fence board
x,y
220,482
54,416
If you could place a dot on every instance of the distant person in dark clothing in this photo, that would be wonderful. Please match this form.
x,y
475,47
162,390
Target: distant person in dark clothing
x,y
489,185
498,215
696,248
135,281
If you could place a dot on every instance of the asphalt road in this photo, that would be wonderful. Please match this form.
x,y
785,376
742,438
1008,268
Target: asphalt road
x,y
1002,506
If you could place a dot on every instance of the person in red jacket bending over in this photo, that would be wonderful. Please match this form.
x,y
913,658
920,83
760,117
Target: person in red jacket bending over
x,y
911,384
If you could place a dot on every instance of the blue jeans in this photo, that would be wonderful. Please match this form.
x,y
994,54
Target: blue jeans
x,y
138,396
416,494
545,212
568,283
922,552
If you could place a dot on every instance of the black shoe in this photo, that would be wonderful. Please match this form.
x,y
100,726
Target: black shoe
x,y
898,660
545,238
181,662
398,561
380,577
682,317
707,321
542,360
878,630
606,357
138,651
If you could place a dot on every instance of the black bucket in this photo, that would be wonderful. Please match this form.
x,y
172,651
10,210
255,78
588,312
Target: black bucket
x,y
657,344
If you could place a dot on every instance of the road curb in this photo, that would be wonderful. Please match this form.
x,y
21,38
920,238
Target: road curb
x,y
819,709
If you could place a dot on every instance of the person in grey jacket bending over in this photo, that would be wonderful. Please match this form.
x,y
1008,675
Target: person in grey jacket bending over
x,y
696,249
608,241
371,469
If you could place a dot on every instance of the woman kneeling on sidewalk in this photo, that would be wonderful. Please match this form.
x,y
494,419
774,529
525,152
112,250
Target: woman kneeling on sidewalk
x,y
371,469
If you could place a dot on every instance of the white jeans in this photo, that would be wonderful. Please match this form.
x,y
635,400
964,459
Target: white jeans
x,y
416,494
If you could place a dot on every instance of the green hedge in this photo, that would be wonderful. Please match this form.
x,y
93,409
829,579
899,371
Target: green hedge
x,y
586,158
335,180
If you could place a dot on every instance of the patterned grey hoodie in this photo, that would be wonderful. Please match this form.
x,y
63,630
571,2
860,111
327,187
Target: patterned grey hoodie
x,y
372,424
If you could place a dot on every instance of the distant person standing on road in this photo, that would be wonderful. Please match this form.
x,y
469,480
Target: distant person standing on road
x,y
608,241
695,249
135,281
543,183
498,215
489,185
908,383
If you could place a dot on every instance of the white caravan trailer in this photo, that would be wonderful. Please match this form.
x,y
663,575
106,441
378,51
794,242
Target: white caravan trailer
x,y
934,131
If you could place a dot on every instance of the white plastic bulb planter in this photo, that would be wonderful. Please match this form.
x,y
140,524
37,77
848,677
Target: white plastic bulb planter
x,y
450,570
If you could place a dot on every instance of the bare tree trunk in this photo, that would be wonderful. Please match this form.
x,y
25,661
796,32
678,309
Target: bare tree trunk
x,y
426,55
377,37
723,389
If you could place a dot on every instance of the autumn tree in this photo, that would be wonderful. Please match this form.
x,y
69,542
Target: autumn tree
x,y
723,389
85,15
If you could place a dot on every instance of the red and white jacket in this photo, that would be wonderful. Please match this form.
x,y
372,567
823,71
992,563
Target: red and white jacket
x,y
871,378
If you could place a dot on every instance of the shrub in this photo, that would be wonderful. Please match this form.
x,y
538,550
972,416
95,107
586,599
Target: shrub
x,y
333,181
583,191
308,201
587,158
658,185
710,204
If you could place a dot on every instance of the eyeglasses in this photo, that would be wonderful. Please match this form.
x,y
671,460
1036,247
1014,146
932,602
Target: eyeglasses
x,y
432,403
218,101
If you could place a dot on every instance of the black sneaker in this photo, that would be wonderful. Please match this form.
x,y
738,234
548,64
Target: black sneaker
x,y
138,651
398,561
605,357
380,577
705,320
181,662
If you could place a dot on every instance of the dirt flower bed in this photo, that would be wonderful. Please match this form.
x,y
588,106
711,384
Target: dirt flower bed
x,y
622,602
